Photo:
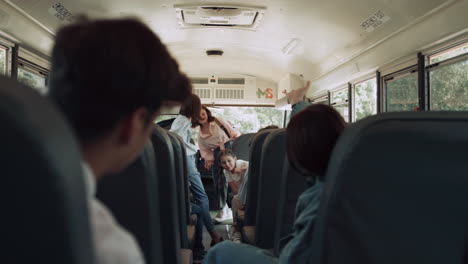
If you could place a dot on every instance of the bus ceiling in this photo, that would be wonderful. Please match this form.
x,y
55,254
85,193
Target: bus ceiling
x,y
328,42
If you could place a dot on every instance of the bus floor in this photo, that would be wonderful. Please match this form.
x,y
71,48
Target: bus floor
x,y
222,229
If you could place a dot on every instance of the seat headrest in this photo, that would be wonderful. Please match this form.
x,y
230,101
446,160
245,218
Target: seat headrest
x,y
241,146
398,179
44,194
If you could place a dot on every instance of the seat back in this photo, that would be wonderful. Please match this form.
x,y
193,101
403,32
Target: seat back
x,y
241,146
253,177
182,187
269,187
170,232
396,192
44,201
292,185
132,197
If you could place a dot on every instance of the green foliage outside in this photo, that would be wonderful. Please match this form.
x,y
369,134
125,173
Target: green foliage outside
x,y
449,87
365,99
402,93
343,109
249,119
32,80
339,96
2,61
338,100
450,54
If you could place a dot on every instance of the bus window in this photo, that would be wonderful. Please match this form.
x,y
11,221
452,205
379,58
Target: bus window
x,y
249,119
401,91
448,54
3,60
32,79
321,100
365,99
448,80
340,101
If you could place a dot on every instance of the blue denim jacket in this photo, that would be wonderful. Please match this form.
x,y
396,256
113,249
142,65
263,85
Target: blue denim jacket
x,y
182,126
298,107
296,250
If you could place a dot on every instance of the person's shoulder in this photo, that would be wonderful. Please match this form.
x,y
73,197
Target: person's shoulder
x,y
242,162
181,118
313,192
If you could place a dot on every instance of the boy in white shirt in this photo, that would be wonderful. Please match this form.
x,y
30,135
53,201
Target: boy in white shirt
x,y
235,172
110,91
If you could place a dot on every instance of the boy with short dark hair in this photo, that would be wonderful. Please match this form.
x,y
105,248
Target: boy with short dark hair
x,y
109,78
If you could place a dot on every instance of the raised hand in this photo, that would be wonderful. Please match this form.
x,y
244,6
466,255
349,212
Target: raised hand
x,y
297,95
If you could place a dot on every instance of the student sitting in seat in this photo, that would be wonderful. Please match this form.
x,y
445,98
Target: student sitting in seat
x,y
310,137
109,79
235,172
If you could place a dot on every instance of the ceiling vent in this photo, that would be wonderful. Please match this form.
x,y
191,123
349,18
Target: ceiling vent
x,y
203,93
197,80
237,81
229,94
231,16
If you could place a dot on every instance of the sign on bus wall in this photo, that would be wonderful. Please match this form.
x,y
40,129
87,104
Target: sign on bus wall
x,y
266,92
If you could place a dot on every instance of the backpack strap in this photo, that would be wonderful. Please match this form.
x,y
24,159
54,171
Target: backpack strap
x,y
222,127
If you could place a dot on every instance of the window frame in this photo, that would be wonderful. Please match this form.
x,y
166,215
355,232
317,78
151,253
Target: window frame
x,y
407,71
353,92
33,68
322,97
333,104
428,67
8,46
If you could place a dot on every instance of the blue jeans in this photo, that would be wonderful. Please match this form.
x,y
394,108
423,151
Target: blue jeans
x,y
228,252
198,192
196,209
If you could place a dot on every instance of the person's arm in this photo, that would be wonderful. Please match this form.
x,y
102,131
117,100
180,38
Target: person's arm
x,y
297,107
233,133
296,99
243,166
241,169
181,127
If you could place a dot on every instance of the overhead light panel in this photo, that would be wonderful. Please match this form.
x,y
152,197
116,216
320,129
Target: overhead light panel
x,y
291,46
219,15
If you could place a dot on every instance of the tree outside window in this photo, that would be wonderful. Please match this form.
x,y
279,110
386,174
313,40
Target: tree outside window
x,y
365,99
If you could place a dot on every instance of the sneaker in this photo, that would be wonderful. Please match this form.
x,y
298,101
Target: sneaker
x,y
223,215
237,237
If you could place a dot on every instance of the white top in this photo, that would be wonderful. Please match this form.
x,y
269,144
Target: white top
x,y
113,244
182,126
236,177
